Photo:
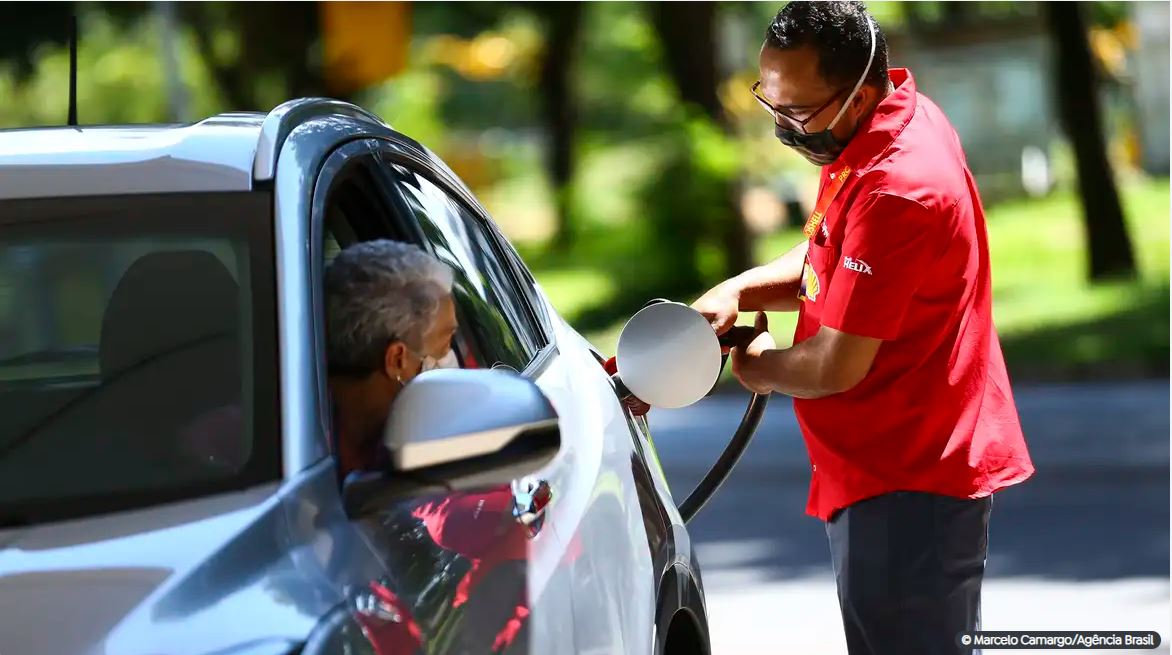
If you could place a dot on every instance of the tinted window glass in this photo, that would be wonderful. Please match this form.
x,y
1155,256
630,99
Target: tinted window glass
x,y
491,315
137,351
494,266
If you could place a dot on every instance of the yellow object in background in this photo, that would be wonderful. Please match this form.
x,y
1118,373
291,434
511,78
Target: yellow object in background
x,y
363,43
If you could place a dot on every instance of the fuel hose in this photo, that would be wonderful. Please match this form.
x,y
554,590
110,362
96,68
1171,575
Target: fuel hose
x,y
728,459
750,421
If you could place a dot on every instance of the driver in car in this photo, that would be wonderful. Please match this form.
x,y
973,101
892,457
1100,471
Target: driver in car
x,y
389,317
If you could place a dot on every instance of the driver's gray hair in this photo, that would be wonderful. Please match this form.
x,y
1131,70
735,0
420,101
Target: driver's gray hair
x,y
378,292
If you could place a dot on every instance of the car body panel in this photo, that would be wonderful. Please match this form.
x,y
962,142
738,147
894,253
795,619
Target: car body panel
x,y
134,580
202,576
282,120
613,596
213,155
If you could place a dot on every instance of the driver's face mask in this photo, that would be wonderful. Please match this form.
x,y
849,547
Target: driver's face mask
x,y
822,148
432,363
447,361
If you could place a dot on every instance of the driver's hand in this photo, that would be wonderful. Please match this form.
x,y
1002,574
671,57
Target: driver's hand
x,y
720,307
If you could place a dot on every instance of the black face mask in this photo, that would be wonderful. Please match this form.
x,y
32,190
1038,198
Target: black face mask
x,y
822,148
819,148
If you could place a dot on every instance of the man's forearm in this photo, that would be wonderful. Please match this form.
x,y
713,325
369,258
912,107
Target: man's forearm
x,y
830,362
772,287
798,371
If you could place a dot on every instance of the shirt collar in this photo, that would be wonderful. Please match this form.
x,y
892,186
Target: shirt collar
x,y
880,129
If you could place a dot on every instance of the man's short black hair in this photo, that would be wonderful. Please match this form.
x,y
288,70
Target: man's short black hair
x,y
838,32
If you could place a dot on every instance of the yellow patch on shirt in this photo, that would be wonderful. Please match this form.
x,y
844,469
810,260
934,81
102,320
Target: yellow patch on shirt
x,y
810,285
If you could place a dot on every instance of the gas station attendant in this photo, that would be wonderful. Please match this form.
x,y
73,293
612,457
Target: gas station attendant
x,y
896,371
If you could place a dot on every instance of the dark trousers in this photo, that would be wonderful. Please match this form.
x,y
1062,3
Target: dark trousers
x,y
909,567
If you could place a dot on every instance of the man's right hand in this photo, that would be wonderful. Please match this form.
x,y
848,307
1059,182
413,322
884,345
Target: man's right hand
x,y
720,306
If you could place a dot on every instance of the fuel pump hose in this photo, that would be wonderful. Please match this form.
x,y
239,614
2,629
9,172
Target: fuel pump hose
x,y
728,459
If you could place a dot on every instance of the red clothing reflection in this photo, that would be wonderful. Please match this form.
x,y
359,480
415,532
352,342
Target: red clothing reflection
x,y
388,624
478,526
481,528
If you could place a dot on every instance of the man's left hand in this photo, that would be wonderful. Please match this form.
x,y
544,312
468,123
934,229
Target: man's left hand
x,y
747,361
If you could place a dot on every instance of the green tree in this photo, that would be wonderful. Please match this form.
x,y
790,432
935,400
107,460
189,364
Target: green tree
x,y
1076,87
688,33
253,65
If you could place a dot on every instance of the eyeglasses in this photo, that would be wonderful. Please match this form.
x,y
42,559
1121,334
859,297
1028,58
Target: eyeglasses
x,y
779,114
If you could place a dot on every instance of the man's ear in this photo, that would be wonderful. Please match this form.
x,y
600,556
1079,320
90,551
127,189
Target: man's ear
x,y
395,361
867,97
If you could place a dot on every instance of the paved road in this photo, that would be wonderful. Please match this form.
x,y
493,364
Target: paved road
x,y
1082,545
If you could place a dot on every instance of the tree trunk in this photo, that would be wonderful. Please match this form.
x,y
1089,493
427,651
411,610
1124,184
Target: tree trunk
x,y
558,111
688,33
1109,249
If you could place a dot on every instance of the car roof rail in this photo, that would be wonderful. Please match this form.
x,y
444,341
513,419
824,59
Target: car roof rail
x,y
286,117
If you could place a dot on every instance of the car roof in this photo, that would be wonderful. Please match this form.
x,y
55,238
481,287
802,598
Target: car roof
x,y
212,155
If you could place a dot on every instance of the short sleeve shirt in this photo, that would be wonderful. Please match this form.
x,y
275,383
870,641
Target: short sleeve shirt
x,y
902,255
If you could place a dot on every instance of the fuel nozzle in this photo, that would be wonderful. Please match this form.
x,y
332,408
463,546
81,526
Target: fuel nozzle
x,y
637,407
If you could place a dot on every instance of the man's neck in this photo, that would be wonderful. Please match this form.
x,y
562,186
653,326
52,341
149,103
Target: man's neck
x,y
887,90
358,423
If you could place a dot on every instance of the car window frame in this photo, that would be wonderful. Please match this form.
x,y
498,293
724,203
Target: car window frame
x,y
336,163
403,226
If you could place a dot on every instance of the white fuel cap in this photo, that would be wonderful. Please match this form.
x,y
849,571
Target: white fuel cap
x,y
668,356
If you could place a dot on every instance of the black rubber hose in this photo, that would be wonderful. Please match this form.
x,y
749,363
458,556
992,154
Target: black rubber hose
x,y
736,445
729,458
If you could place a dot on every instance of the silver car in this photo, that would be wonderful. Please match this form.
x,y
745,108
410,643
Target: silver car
x,y
167,478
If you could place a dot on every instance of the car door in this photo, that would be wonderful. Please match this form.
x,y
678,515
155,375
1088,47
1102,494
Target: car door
x,y
595,521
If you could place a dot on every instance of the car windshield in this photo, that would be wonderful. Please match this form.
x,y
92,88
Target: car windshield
x,y
137,351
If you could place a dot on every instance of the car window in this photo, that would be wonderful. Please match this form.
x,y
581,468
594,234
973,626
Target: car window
x,y
137,351
540,326
492,314
497,255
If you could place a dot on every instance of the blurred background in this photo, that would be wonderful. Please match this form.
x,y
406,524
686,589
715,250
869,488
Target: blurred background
x,y
619,148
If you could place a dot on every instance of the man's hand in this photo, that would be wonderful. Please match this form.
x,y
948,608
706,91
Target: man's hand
x,y
747,361
720,306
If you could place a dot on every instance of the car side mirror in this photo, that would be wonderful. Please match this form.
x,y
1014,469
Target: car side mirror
x,y
463,428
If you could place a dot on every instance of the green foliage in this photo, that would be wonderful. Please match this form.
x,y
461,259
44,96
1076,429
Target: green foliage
x,y
411,105
1053,325
120,77
651,196
622,86
1107,14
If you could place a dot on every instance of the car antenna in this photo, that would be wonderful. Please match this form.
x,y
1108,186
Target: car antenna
x,y
73,69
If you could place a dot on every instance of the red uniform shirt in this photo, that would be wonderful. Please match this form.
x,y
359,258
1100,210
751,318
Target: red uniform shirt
x,y
902,255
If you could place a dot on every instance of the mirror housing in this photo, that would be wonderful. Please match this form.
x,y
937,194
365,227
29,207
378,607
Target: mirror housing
x,y
448,416
458,429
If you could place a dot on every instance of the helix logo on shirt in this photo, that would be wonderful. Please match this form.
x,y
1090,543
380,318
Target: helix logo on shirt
x,y
810,285
856,265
